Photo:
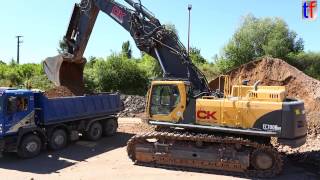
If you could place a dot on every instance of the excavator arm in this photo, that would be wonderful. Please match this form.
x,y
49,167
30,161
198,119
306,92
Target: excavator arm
x,y
149,35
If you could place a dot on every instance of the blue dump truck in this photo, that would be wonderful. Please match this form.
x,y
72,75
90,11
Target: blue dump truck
x,y
30,122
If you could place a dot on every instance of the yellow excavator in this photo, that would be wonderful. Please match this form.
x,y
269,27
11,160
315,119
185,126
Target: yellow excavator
x,y
227,128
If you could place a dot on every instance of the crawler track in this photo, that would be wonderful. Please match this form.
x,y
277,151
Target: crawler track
x,y
205,151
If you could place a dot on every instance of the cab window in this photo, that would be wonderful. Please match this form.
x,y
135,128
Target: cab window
x,y
164,98
17,104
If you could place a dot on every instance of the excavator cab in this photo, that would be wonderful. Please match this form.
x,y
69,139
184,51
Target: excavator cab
x,y
166,100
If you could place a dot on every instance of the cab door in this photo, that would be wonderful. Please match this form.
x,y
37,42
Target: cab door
x,y
18,113
166,103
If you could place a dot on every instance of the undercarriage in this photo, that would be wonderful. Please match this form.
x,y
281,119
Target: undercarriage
x,y
252,157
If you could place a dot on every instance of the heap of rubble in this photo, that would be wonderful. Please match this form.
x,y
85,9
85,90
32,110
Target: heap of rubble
x,y
133,105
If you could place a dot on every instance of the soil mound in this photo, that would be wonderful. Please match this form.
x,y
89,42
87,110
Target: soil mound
x,y
59,91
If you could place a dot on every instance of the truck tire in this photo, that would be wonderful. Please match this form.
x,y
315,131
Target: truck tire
x,y
110,127
58,139
95,131
30,146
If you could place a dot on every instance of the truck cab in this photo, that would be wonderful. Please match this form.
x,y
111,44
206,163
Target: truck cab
x,y
16,110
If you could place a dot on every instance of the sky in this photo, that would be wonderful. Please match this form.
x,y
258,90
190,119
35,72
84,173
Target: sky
x,y
43,23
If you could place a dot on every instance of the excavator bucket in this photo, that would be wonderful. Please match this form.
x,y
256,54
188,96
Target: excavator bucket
x,y
64,70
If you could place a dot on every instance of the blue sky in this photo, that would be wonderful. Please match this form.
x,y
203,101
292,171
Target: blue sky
x,y
44,22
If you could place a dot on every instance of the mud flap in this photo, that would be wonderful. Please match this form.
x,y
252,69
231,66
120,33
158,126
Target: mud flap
x,y
64,70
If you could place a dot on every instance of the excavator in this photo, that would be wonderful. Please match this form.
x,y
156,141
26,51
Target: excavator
x,y
229,128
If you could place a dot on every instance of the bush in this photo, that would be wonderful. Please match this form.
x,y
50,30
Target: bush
x,y
116,74
308,62
150,65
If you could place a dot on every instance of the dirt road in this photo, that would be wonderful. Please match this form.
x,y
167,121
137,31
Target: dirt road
x,y
107,159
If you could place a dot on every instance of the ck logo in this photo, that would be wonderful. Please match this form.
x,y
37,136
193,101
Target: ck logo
x,y
309,9
118,14
206,115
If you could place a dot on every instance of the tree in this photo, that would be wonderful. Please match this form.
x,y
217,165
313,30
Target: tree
x,y
117,74
13,62
150,65
126,50
196,57
308,62
63,47
91,61
258,37
172,28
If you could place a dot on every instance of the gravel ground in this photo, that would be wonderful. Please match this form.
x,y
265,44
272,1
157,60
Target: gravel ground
x,y
107,159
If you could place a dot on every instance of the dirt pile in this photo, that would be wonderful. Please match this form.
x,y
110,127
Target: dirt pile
x,y
133,105
71,76
59,91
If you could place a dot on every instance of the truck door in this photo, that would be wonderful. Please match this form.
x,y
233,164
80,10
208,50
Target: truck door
x,y
18,113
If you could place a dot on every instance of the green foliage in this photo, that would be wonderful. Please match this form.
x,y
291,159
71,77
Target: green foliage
x,y
23,76
210,70
13,62
116,74
126,50
39,82
63,47
196,57
258,37
308,62
150,65
172,28
223,65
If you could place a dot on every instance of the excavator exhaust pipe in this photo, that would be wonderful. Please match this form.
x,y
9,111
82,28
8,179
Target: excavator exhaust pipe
x,y
64,70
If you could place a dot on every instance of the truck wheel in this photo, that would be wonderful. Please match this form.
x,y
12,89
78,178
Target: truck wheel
x,y
110,127
58,139
30,146
95,131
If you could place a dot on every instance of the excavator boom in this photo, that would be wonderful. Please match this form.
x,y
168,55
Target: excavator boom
x,y
149,35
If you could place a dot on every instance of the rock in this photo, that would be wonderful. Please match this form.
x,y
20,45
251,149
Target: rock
x,y
132,105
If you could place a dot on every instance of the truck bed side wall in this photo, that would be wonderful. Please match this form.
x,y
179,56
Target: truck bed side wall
x,y
57,110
